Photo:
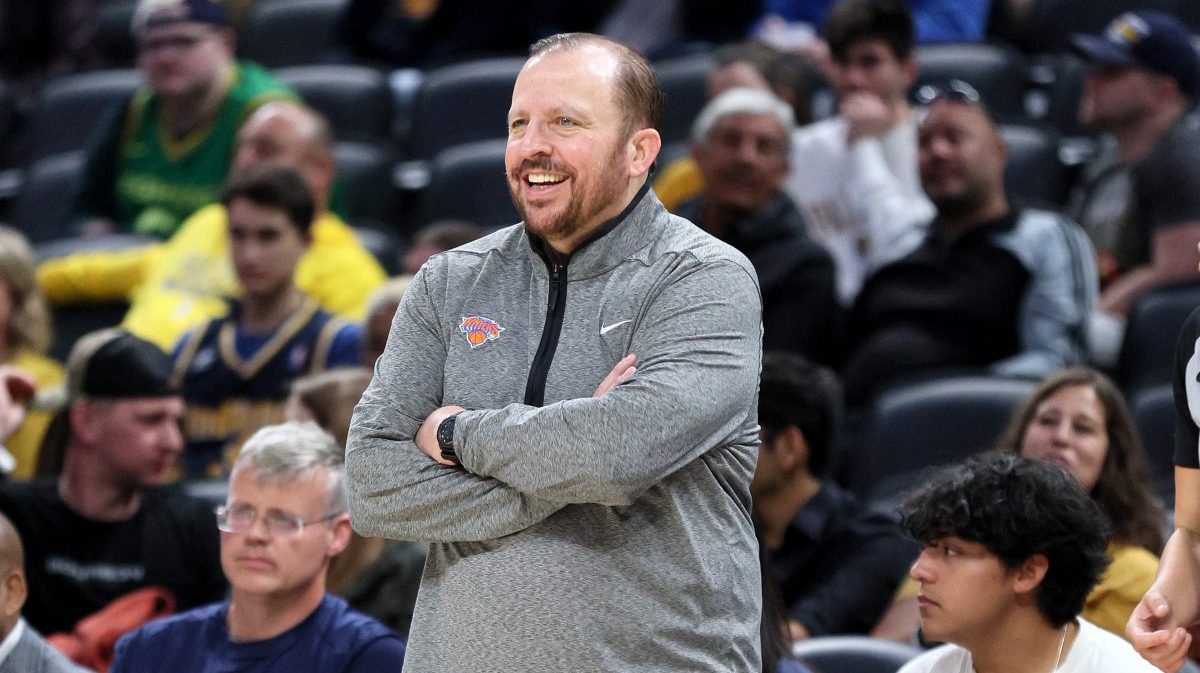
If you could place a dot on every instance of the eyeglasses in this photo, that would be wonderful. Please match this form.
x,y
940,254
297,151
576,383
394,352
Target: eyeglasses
x,y
178,42
279,523
953,90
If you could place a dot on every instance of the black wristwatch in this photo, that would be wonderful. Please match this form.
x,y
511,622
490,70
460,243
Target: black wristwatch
x,y
445,439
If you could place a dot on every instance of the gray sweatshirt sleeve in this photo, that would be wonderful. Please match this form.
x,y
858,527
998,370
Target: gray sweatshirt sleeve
x,y
396,491
1061,295
699,350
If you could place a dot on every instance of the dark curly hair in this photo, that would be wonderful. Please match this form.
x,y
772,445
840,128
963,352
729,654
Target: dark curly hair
x,y
1018,508
1123,488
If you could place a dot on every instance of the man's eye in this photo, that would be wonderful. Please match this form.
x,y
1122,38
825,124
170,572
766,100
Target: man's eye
x,y
565,121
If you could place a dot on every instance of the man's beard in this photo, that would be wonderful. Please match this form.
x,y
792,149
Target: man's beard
x,y
568,222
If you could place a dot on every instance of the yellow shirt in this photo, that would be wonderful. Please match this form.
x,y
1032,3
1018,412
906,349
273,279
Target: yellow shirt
x,y
182,283
679,182
25,442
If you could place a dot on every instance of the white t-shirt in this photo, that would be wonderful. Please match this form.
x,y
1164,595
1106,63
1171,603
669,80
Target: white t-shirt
x,y
1094,651
864,201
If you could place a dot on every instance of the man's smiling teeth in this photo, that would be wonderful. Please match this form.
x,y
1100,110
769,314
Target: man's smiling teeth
x,y
543,178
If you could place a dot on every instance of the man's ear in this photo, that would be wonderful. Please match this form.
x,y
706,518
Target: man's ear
x,y
15,592
80,416
791,449
339,537
1029,575
644,147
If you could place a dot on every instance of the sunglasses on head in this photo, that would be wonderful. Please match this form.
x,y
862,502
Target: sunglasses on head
x,y
954,90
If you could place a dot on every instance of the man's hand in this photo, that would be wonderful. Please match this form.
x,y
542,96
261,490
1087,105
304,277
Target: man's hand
x,y
16,393
866,115
619,374
1151,631
426,438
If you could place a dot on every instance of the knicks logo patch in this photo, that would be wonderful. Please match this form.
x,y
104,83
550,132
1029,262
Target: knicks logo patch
x,y
480,330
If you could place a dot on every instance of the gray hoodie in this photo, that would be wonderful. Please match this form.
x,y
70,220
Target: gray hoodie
x,y
580,534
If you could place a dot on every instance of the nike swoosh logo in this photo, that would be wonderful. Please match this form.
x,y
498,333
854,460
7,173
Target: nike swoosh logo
x,y
608,328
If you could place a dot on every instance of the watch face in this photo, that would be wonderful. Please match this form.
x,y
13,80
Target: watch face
x,y
445,433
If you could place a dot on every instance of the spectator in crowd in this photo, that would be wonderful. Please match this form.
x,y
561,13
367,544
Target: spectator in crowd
x,y
991,287
235,371
1140,199
180,284
934,20
855,175
22,649
377,576
106,526
740,145
165,153
1078,420
24,338
381,308
836,561
1162,623
290,479
438,237
1011,549
752,65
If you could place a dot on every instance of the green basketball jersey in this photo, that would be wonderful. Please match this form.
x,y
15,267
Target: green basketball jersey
x,y
161,180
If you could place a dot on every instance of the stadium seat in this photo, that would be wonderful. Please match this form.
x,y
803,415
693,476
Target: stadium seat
x,y
854,654
281,33
462,103
1148,350
384,245
1034,173
68,107
364,178
42,206
999,73
920,425
468,182
357,101
685,88
72,322
1153,411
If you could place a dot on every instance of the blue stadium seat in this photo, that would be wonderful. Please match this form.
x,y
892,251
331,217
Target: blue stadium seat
x,y
1153,410
467,182
685,88
1148,350
461,103
854,654
279,33
355,100
999,73
68,107
916,426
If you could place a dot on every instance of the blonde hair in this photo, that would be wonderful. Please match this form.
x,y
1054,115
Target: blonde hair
x,y
29,326
330,396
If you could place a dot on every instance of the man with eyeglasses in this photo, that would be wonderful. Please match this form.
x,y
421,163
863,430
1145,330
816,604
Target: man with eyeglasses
x,y
283,521
740,144
165,153
993,288
1140,198
107,525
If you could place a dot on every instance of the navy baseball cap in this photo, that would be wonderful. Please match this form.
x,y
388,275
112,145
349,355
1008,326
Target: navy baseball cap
x,y
154,13
1145,39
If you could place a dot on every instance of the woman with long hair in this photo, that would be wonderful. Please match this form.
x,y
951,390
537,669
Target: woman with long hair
x,y
1077,419
25,336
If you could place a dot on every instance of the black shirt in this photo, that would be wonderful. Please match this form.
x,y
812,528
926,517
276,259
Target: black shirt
x,y
75,566
840,563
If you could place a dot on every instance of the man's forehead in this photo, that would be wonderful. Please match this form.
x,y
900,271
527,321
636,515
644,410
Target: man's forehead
x,y
586,61
760,123
955,113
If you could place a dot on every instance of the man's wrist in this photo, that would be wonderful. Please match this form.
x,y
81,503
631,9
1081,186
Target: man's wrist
x,y
445,439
